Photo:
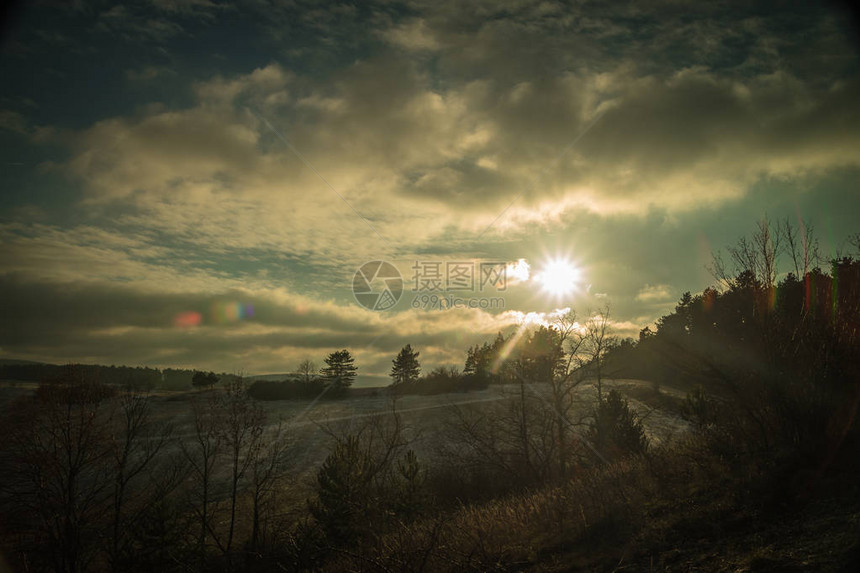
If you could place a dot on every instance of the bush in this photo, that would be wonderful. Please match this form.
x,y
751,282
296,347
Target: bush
x,y
444,380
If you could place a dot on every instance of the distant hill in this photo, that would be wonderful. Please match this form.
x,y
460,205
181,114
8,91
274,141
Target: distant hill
x,y
17,361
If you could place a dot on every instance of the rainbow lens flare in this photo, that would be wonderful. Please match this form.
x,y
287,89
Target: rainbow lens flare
x,y
226,312
188,319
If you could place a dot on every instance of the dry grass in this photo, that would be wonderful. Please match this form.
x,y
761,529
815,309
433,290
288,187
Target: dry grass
x,y
674,510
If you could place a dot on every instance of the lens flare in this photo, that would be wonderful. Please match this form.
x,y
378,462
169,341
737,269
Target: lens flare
x,y
187,319
226,312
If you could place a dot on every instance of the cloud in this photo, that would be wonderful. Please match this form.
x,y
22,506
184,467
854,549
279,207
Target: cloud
x,y
457,143
134,25
655,293
400,153
517,272
484,130
412,35
112,322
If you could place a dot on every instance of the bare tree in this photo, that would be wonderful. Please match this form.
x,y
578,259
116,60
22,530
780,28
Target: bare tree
x,y
756,256
58,472
133,448
507,444
157,529
202,453
307,370
594,343
240,430
532,435
564,384
802,246
520,409
266,471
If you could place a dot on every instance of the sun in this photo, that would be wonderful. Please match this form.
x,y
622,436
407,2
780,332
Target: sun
x,y
558,277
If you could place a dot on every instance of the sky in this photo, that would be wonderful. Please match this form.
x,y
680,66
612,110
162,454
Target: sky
x,y
192,183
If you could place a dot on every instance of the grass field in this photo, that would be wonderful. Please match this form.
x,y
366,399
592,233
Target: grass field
x,y
308,422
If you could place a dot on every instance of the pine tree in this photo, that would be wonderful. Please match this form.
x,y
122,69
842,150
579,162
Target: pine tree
x,y
343,491
340,370
616,430
405,369
411,477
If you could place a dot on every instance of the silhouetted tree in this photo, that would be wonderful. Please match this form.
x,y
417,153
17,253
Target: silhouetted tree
x,y
202,452
307,370
567,377
340,370
488,362
353,484
136,442
411,477
239,429
266,471
59,469
594,347
343,490
616,430
405,369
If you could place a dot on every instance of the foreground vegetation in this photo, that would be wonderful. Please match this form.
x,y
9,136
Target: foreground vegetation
x,y
559,476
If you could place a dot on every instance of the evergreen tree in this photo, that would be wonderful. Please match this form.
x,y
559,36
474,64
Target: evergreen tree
x,y
542,356
343,491
405,369
340,370
411,477
479,362
616,431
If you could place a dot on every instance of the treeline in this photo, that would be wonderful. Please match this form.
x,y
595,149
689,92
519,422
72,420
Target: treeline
x,y
485,364
535,355
139,377
787,349
788,328
443,380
